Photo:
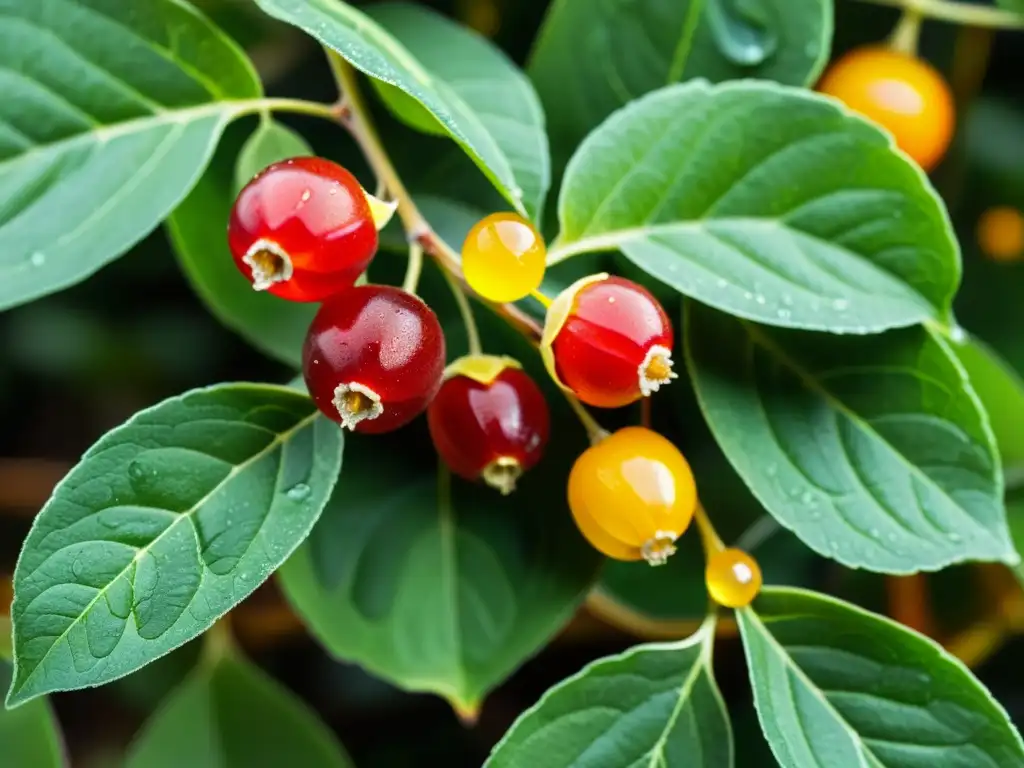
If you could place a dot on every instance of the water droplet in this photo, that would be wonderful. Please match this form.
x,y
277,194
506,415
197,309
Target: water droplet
x,y
840,304
748,295
772,470
787,300
741,32
784,314
955,537
37,259
815,514
298,492
721,283
892,537
875,533
834,545
807,497
759,299
136,471
306,194
958,334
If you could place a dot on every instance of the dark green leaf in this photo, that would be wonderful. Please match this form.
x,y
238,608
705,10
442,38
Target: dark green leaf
x,y
654,705
836,686
29,735
873,450
270,143
438,584
593,57
476,95
110,112
1012,5
1001,391
164,525
197,231
230,713
770,203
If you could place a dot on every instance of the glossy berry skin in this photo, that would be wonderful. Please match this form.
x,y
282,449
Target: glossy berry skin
x,y
504,257
489,420
632,495
373,358
608,340
1001,233
302,229
733,578
902,93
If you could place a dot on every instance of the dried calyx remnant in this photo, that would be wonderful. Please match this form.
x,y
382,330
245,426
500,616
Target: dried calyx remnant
x,y
269,263
356,403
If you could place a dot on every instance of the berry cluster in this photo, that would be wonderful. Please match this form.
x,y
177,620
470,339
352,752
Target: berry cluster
x,y
374,355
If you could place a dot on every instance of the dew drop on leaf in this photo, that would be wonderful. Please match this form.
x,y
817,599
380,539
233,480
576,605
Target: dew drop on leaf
x,y
298,492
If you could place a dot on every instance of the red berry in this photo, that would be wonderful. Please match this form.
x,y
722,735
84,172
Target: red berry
x,y
489,420
373,358
302,229
608,340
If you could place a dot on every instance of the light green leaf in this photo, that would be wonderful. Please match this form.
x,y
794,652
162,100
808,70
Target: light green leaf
x,y
197,232
479,98
435,583
1001,391
165,524
873,450
111,111
593,57
29,735
770,203
270,143
654,705
230,713
838,687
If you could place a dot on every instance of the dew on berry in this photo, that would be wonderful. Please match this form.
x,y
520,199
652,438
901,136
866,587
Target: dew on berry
x,y
609,341
489,420
632,495
504,257
303,229
373,358
733,578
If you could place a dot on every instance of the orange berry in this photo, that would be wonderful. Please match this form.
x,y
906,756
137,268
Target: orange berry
x,y
901,93
733,578
1001,233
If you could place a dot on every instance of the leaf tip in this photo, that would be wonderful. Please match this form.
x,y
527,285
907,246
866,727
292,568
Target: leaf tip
x,y
467,712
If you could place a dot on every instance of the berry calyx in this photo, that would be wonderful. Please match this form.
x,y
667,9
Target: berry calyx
x,y
1001,233
504,257
489,420
733,578
608,340
303,229
632,494
900,92
373,358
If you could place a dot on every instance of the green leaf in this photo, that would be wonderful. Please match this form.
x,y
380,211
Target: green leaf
x,y
770,203
1012,5
873,450
1001,391
654,705
164,525
270,143
435,583
29,735
111,111
836,686
591,58
469,87
231,713
197,232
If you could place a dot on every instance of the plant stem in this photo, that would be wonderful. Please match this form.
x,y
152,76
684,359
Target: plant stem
x,y
217,641
595,431
959,13
299,107
708,535
414,269
541,298
905,36
472,332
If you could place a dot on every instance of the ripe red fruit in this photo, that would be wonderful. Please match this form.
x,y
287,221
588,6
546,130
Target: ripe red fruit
x,y
608,340
302,229
373,358
489,420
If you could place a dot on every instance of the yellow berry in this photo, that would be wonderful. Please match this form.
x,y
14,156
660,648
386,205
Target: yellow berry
x,y
632,495
1001,233
504,257
733,578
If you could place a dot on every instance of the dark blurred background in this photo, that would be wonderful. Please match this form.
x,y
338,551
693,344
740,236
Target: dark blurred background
x,y
80,362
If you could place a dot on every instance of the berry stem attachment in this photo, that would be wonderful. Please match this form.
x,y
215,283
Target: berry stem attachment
x,y
543,299
414,269
468,320
595,431
905,35
708,535
959,12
